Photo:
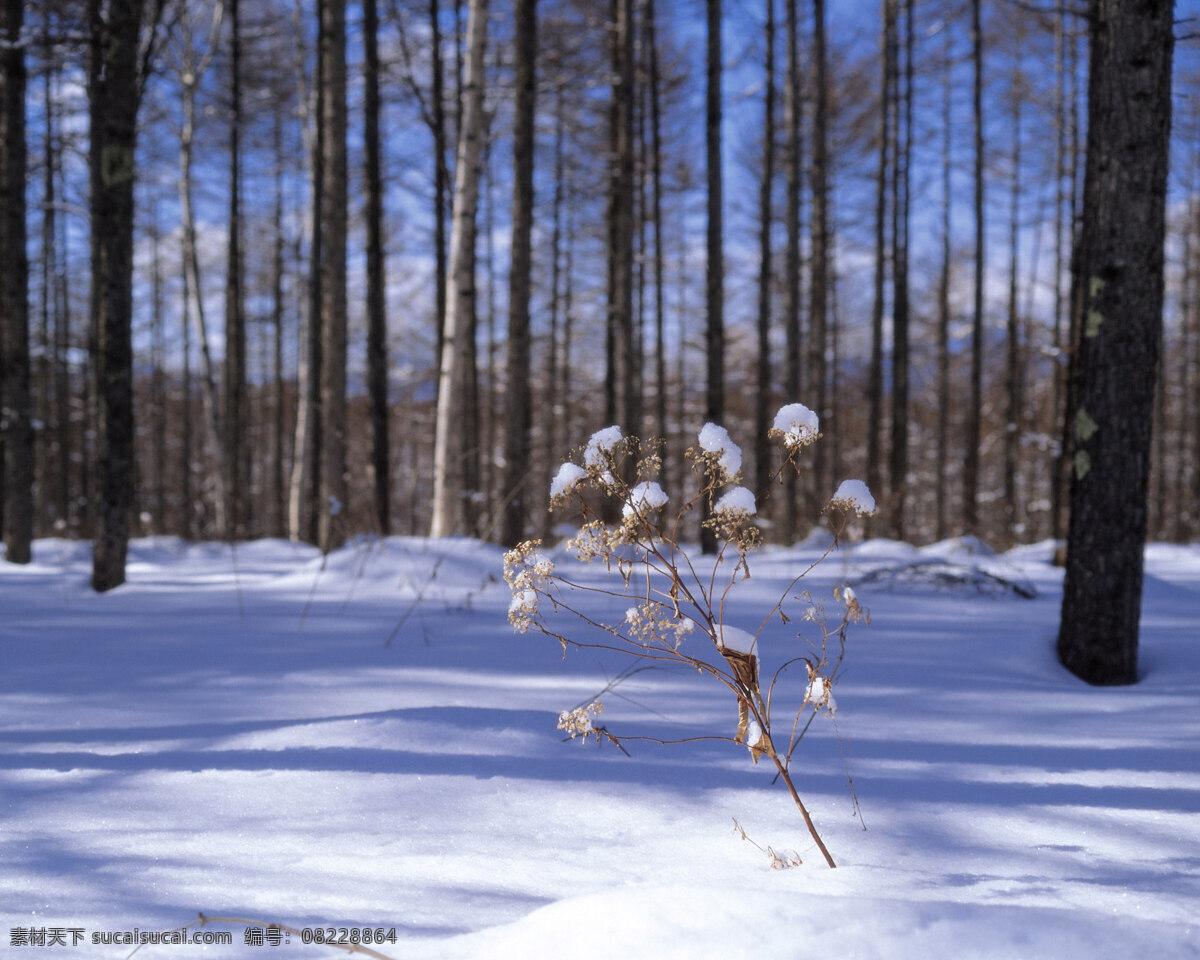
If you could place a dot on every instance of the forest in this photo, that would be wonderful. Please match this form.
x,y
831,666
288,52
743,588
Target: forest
x,y
278,269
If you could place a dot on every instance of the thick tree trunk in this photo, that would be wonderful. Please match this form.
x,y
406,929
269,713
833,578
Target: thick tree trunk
x,y
1121,270
113,92
520,277
622,402
16,410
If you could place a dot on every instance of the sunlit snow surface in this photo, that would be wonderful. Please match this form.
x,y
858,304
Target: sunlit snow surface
x,y
364,741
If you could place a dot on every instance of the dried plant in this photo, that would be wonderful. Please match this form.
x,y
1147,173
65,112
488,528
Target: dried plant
x,y
679,614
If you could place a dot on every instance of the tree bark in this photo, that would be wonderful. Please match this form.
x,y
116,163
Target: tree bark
x,y
820,280
237,451
332,224
520,278
975,412
377,350
16,404
1121,272
762,399
447,514
887,48
793,377
113,94
714,287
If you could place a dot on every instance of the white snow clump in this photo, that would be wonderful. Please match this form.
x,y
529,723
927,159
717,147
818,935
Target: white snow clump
x,y
600,443
564,481
854,495
820,695
798,424
715,439
735,639
644,498
736,502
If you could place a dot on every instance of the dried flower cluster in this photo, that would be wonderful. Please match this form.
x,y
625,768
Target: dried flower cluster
x,y
678,598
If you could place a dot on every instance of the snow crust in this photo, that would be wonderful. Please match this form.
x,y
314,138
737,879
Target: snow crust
x,y
361,740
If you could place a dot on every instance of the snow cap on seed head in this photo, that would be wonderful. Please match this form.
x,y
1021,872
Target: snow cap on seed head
x,y
797,424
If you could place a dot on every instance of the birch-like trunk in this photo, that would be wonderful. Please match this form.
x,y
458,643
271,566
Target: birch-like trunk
x,y
447,514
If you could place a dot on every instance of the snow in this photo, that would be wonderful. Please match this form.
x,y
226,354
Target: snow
x,y
645,498
798,424
361,739
600,444
564,481
736,639
715,439
854,495
736,501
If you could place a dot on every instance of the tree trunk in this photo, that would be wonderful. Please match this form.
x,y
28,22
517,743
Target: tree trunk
x,y
1012,418
332,225
901,155
820,279
660,350
887,48
278,498
975,414
1121,267
440,182
447,513
237,451
714,287
622,404
517,420
307,459
16,405
943,315
113,93
793,110
377,351
762,399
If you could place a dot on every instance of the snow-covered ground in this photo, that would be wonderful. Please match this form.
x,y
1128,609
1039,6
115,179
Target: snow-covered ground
x,y
364,742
